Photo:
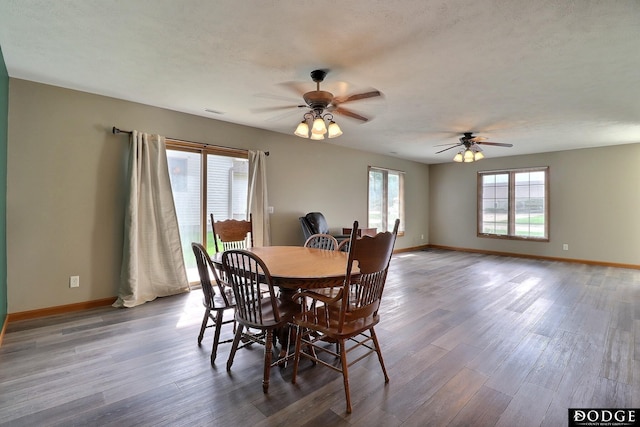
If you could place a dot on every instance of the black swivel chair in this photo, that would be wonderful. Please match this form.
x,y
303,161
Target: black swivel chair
x,y
315,223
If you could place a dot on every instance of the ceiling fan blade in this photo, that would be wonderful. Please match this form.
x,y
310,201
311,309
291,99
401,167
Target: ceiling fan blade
x,y
277,97
448,148
498,144
290,115
477,139
355,97
270,109
299,88
444,145
349,113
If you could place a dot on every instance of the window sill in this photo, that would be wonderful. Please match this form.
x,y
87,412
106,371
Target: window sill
x,y
506,237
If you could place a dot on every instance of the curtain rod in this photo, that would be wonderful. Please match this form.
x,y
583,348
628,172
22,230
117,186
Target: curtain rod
x,y
115,131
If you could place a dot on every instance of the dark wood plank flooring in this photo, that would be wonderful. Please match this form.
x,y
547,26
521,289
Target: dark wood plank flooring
x,y
468,340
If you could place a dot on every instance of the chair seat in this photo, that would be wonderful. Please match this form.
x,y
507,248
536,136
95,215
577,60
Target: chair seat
x,y
219,303
286,310
350,328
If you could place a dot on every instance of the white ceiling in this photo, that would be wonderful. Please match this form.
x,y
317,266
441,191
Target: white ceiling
x,y
543,75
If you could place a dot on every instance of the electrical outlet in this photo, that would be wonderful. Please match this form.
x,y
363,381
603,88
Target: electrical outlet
x,y
565,246
74,281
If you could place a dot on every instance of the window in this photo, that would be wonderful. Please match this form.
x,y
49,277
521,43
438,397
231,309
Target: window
x,y
386,199
514,204
205,179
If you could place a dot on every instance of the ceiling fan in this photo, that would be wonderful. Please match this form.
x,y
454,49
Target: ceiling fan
x,y
322,105
471,151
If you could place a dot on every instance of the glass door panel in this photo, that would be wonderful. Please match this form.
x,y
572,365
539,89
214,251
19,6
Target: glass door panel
x,y
185,173
227,182
205,183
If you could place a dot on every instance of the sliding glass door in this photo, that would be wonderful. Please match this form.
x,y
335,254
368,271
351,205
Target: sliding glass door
x,y
205,181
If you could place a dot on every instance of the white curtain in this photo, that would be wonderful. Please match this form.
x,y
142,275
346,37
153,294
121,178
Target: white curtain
x,y
258,203
152,261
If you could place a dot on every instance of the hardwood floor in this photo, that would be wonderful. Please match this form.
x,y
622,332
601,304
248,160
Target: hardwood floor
x,y
468,340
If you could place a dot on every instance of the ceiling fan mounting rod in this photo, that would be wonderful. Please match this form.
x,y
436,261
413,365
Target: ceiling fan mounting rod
x,y
318,77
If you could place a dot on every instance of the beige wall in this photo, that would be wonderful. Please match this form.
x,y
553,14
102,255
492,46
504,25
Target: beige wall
x,y
66,186
594,204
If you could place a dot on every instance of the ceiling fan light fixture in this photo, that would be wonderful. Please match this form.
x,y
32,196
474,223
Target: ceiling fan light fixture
x,y
302,130
334,130
318,120
469,147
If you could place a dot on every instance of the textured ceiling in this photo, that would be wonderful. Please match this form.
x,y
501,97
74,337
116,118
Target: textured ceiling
x,y
542,75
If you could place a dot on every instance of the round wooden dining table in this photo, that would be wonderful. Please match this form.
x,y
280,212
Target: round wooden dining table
x,y
297,267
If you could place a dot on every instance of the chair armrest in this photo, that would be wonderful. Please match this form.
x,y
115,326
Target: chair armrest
x,y
317,297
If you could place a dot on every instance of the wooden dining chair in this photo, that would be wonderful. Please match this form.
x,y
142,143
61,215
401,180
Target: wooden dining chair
x,y
256,310
232,234
344,245
216,300
348,318
322,241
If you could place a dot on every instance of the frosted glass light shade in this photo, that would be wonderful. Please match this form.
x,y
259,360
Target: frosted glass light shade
x,y
317,136
302,130
334,130
458,158
468,156
318,126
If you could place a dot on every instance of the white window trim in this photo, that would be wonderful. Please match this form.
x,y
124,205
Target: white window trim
x,y
385,219
511,208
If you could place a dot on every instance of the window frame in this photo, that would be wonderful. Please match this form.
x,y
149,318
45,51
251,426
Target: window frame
x,y
511,212
385,214
204,151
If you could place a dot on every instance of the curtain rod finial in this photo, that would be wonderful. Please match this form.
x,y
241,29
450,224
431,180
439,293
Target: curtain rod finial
x,y
115,131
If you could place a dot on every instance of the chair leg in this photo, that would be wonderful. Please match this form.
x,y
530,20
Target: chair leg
x,y
267,359
216,336
296,355
345,374
204,325
375,343
234,346
310,347
285,343
312,352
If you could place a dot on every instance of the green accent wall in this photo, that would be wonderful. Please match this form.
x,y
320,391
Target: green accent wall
x,y
4,121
